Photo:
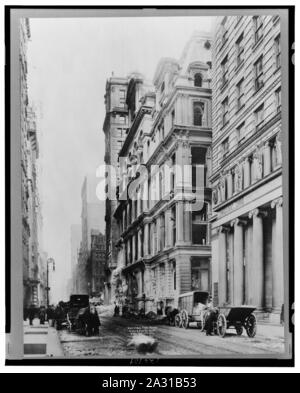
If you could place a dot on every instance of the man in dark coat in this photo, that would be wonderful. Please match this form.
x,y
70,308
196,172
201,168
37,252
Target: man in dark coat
x,y
92,321
31,313
42,315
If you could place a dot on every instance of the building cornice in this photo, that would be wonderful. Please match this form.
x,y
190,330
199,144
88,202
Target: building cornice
x,y
248,190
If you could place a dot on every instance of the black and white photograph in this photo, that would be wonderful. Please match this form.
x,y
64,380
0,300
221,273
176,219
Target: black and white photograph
x,y
151,177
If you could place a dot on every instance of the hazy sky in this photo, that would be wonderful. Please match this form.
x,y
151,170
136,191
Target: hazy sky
x,y
69,62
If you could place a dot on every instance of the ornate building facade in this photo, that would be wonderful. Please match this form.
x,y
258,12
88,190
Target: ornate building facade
x,y
115,127
247,249
163,240
33,263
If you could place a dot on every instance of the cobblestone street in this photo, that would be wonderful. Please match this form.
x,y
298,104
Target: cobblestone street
x,y
116,332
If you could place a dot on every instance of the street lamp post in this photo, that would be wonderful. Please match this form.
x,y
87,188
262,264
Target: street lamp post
x,y
49,261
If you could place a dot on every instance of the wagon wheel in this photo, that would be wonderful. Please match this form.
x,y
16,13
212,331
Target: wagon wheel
x,y
203,321
251,326
221,325
185,319
239,330
178,321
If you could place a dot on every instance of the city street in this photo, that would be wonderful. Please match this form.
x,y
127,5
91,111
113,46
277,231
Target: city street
x,y
116,333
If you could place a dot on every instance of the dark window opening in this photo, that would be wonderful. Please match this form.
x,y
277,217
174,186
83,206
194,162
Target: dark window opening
x,y
198,80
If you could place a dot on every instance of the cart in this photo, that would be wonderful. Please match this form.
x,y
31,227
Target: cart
x,y
77,302
188,311
238,318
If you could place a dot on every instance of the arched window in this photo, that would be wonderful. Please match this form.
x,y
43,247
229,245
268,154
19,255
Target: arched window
x,y
198,80
198,113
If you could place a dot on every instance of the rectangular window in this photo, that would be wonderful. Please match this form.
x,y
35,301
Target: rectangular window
x,y
278,100
122,119
258,28
174,276
224,67
259,116
173,117
225,117
122,98
277,52
162,232
258,69
225,147
173,218
199,226
200,274
240,94
240,50
119,145
198,113
240,132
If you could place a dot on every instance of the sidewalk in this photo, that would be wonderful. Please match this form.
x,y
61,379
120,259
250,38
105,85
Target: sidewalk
x,y
41,340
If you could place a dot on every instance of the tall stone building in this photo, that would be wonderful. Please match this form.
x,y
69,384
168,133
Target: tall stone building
x,y
33,264
247,249
24,37
92,211
96,264
115,127
164,239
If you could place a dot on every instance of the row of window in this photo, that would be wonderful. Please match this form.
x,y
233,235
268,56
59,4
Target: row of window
x,y
258,65
234,186
158,234
258,113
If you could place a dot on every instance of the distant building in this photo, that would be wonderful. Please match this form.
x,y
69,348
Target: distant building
x,y
92,213
164,246
115,128
96,264
247,248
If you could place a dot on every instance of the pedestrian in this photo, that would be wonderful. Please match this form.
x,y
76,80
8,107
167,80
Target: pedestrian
x,y
42,315
50,315
31,314
25,313
59,315
92,321
212,315
116,310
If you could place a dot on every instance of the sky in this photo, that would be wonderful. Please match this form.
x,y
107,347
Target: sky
x,y
69,61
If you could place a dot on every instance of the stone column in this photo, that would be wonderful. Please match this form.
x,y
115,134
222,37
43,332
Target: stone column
x,y
238,280
256,268
139,234
278,287
187,215
158,233
179,222
229,185
267,158
246,173
138,203
133,247
168,228
222,266
146,239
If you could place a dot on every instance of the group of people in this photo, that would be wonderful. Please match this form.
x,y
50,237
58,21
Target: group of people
x,y
44,314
